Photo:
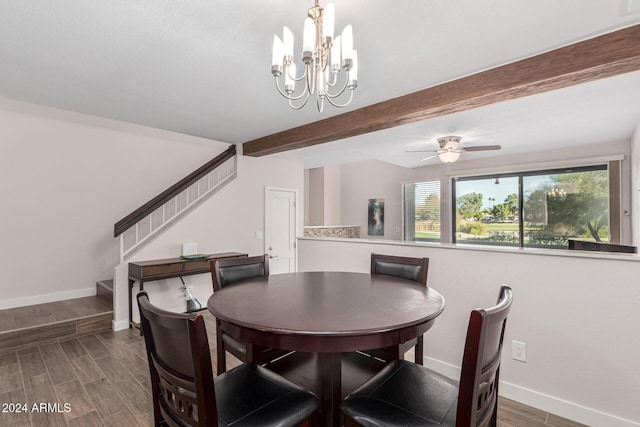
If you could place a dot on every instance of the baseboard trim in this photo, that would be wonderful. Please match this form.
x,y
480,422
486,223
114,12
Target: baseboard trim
x,y
45,298
551,404
563,408
120,325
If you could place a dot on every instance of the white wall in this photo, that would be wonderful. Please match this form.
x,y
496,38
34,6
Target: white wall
x,y
315,197
373,179
323,201
577,315
332,195
635,186
65,179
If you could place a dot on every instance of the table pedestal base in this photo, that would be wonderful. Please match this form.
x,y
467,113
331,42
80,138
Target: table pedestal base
x,y
305,369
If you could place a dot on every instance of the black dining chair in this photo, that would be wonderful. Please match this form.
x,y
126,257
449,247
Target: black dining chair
x,y
404,394
232,271
415,269
183,388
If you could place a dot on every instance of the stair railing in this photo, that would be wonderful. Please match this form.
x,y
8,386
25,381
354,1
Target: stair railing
x,y
146,222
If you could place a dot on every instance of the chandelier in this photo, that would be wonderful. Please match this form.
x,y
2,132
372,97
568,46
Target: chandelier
x,y
556,192
330,65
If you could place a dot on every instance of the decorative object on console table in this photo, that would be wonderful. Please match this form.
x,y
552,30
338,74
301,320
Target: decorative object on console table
x,y
192,303
376,217
148,271
189,249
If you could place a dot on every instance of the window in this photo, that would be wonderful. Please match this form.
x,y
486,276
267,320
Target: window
x,y
421,211
487,210
535,209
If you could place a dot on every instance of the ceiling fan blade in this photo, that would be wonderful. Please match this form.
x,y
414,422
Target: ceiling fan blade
x,y
482,148
421,151
430,157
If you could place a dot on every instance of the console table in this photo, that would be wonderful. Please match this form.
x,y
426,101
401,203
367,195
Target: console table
x,y
159,269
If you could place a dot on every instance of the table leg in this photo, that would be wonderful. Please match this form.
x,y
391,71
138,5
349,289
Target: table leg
x,y
330,372
131,282
420,350
131,322
253,353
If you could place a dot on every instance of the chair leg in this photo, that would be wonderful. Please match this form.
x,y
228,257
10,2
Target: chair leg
x,y
221,354
221,366
419,350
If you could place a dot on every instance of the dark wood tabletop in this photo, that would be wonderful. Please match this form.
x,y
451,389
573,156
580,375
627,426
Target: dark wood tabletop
x,y
327,313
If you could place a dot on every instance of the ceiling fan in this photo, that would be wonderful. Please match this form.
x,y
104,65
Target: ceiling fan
x,y
450,149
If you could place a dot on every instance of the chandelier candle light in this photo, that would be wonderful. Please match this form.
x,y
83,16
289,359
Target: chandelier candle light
x,y
323,58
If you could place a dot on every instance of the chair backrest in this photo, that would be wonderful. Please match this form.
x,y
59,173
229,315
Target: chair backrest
x,y
581,245
415,269
478,393
180,366
230,270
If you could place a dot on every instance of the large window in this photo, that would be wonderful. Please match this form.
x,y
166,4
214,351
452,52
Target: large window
x,y
534,209
421,211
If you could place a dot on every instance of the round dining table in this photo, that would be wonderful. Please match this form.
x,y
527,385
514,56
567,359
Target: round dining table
x,y
328,313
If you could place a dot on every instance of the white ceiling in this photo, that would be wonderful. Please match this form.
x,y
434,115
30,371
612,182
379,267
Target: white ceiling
x,y
202,67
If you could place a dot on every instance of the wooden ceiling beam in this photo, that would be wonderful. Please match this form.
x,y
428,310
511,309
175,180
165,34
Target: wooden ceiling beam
x,y
600,57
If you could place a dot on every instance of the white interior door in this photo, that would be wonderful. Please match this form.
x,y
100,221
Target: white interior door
x,y
280,229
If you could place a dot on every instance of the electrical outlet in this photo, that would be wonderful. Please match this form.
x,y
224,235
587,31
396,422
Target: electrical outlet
x,y
519,351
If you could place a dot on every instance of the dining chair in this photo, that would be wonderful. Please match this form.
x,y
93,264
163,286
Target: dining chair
x,y
185,392
231,271
415,269
406,394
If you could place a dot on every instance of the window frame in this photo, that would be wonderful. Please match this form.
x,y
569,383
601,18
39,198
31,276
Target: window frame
x,y
612,168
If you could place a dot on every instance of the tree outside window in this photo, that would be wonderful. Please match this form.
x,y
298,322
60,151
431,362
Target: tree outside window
x,y
567,206
556,205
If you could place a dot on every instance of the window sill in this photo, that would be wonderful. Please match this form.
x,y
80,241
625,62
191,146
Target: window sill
x,y
494,249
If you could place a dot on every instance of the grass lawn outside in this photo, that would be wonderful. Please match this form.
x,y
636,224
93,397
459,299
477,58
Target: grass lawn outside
x,y
495,233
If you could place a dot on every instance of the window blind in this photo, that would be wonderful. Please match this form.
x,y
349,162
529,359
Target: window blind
x,y
421,211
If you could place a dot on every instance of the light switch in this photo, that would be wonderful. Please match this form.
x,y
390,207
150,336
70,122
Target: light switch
x,y
259,235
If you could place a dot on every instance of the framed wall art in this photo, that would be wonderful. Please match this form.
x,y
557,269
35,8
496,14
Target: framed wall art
x,y
376,217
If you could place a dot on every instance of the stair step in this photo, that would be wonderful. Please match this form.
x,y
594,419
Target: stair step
x,y
104,289
43,322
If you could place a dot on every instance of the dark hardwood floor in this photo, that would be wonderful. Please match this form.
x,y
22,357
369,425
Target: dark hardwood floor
x,y
103,379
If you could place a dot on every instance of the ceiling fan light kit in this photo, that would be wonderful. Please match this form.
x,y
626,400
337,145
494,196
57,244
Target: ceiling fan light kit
x,y
450,149
449,156
323,58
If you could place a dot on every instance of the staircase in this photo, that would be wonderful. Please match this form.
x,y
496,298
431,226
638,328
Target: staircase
x,y
138,228
144,224
104,290
29,325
